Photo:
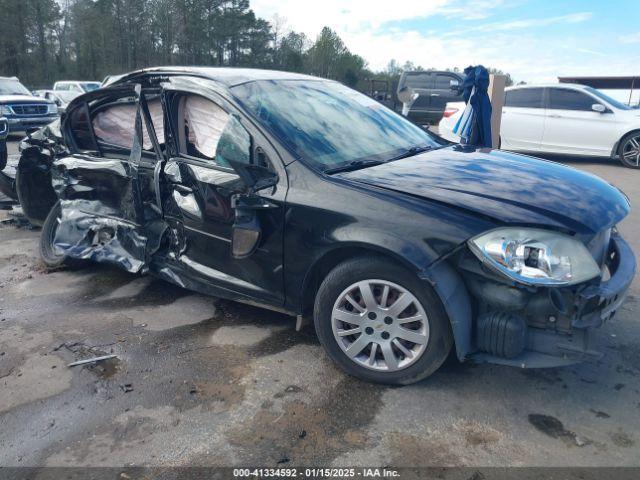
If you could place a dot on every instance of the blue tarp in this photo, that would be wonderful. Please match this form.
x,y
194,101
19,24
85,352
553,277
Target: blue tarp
x,y
474,126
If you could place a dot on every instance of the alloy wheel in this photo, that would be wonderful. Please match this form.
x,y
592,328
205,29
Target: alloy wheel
x,y
631,151
380,325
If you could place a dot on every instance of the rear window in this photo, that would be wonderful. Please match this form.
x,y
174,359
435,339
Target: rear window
x,y
524,98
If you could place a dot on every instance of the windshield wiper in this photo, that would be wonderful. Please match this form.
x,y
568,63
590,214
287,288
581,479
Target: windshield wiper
x,y
410,152
355,165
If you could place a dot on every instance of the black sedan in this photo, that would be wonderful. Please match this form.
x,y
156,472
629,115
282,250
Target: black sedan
x,y
301,195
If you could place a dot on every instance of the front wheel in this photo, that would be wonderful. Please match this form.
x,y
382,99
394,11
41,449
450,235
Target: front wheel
x,y
629,150
379,322
48,253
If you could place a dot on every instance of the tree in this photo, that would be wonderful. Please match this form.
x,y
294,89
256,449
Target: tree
x,y
291,52
330,58
495,71
48,40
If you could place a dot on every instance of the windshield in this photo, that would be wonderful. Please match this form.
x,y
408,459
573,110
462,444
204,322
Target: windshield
x,y
13,87
90,86
329,124
611,101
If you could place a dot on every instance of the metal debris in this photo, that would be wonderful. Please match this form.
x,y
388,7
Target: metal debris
x,y
91,360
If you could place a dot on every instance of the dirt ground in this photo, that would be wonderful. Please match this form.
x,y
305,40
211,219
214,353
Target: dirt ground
x,y
202,381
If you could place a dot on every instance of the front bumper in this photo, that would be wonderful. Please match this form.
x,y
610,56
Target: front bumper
x,y
599,303
22,124
565,338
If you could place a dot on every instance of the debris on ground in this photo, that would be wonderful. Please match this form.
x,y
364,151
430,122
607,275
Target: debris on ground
x,y
91,360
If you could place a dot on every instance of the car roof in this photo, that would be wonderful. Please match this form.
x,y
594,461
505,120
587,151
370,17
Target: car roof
x,y
227,76
571,86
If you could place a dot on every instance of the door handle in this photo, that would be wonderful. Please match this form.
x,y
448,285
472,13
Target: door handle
x,y
435,94
182,189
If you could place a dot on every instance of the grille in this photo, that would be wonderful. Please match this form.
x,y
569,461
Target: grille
x,y
25,109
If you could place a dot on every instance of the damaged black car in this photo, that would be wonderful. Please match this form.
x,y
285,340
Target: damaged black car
x,y
301,195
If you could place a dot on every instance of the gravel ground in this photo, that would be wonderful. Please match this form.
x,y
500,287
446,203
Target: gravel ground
x,y
202,381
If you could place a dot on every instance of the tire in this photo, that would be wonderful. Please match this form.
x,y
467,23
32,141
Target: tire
x,y
629,150
385,363
48,254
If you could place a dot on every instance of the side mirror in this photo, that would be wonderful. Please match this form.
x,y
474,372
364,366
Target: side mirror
x,y
598,107
256,177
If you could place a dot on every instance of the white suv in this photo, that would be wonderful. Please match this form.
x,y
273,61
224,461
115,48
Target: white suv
x,y
75,86
562,118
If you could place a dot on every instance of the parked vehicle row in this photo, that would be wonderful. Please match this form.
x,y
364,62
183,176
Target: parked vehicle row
x,y
25,110
301,195
75,86
60,97
564,119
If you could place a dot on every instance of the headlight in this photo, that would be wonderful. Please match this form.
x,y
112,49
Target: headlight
x,y
5,110
52,108
536,257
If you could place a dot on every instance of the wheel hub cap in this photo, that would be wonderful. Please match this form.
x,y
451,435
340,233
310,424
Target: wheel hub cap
x,y
380,325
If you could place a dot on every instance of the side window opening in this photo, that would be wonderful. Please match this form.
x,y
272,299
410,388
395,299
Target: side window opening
x,y
524,98
114,124
418,80
81,129
443,82
566,99
208,132
156,115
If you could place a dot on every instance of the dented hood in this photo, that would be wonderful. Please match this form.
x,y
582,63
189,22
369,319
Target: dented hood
x,y
510,188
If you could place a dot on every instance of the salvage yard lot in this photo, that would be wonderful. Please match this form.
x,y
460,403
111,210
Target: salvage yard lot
x,y
201,381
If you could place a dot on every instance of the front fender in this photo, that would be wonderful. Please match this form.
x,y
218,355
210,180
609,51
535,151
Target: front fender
x,y
454,296
420,258
409,250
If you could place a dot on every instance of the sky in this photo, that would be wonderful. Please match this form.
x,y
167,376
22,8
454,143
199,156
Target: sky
x,y
534,40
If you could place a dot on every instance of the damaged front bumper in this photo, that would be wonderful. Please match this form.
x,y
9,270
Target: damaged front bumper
x,y
547,327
